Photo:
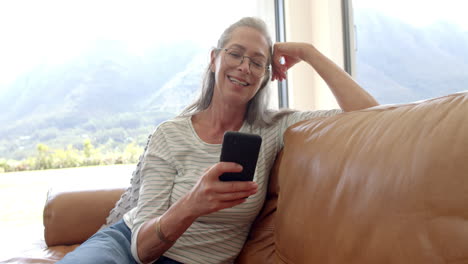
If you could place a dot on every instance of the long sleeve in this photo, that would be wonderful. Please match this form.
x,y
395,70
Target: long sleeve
x,y
129,198
157,180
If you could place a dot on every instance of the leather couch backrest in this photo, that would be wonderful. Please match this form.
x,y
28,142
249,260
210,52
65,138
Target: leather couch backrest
x,y
382,185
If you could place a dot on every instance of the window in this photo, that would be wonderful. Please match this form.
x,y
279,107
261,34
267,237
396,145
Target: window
x,y
411,50
104,71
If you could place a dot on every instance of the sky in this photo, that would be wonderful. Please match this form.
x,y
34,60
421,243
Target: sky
x,y
421,12
32,32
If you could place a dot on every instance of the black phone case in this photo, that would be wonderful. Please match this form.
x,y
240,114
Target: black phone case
x,y
241,148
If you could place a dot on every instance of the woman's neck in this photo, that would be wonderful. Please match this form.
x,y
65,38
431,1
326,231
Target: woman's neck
x,y
211,123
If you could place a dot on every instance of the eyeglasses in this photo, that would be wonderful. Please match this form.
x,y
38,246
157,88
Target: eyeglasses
x,y
257,65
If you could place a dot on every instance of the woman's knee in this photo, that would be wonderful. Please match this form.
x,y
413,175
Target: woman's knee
x,y
108,246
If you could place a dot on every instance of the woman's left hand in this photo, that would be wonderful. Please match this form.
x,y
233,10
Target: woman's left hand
x,y
286,55
349,95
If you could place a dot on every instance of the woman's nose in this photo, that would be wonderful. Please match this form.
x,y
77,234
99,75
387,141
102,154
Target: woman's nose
x,y
245,65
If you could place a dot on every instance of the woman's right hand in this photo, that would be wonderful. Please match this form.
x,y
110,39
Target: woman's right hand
x,y
207,196
210,194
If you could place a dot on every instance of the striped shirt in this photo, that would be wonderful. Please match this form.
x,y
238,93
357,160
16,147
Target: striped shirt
x,y
174,161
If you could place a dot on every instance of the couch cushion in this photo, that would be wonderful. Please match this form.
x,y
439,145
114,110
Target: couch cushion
x,y
69,219
260,244
72,217
382,185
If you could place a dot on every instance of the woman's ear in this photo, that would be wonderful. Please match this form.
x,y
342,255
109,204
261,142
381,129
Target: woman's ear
x,y
212,61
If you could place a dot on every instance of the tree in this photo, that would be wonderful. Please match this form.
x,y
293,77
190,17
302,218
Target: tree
x,y
88,148
44,160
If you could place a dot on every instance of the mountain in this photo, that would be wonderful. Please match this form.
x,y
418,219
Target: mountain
x,y
103,91
397,62
106,72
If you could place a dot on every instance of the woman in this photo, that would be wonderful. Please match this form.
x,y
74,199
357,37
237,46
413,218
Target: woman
x,y
184,213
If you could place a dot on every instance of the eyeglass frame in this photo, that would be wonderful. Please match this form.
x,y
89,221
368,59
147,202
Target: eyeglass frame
x,y
266,67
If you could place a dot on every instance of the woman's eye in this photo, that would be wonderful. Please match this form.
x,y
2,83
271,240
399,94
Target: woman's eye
x,y
234,54
258,64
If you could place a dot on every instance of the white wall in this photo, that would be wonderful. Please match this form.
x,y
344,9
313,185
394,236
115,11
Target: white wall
x,y
318,22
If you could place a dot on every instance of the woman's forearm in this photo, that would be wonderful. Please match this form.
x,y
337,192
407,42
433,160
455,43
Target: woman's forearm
x,y
207,196
173,223
349,95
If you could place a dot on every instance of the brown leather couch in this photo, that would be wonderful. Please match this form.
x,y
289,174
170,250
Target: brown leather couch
x,y
382,185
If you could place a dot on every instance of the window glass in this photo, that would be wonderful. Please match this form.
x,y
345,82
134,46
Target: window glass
x,y
103,72
411,50
85,82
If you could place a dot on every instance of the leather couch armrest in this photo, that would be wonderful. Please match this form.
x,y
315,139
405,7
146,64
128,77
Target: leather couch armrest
x,y
72,217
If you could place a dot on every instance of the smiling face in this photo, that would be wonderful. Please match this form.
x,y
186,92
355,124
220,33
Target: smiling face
x,y
236,84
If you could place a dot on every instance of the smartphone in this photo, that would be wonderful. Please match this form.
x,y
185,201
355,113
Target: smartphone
x,y
241,148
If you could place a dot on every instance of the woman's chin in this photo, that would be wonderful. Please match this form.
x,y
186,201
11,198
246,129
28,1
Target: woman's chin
x,y
236,99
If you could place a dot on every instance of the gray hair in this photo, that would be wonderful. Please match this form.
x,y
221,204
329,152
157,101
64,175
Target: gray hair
x,y
257,113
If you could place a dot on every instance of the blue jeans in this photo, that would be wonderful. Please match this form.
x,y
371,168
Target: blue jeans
x,y
108,246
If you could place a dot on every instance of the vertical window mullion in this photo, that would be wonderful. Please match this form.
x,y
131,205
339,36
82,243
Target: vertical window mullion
x,y
280,28
346,15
